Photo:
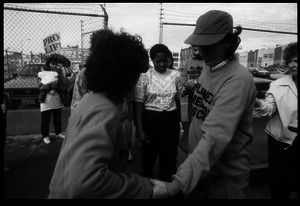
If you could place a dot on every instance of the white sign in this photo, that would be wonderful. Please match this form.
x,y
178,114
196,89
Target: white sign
x,y
52,43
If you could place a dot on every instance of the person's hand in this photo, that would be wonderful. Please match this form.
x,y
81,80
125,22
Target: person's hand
x,y
142,137
257,103
190,84
3,107
159,189
181,131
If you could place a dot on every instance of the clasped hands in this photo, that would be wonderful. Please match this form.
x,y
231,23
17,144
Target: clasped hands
x,y
159,189
189,87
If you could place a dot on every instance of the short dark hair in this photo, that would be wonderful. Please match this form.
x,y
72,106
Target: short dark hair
x,y
115,61
159,48
289,52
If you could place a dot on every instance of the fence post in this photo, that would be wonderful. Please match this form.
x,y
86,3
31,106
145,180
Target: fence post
x,y
81,30
161,29
22,58
8,69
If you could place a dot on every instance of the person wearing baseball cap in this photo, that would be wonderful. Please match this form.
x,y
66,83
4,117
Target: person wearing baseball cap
x,y
218,164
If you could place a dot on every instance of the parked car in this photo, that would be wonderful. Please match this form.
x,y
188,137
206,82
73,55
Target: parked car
x,y
23,88
259,72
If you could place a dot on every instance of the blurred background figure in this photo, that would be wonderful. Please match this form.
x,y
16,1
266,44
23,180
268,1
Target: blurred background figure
x,y
56,97
190,73
5,103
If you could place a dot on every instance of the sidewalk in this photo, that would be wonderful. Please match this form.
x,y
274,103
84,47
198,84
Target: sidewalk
x,y
32,162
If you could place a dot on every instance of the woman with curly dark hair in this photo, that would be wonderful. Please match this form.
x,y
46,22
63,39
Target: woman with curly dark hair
x,y
94,153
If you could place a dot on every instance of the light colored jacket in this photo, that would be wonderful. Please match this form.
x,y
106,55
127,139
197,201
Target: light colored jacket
x,y
93,156
79,89
280,105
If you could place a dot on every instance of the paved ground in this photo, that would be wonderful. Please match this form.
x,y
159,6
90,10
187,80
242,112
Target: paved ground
x,y
32,162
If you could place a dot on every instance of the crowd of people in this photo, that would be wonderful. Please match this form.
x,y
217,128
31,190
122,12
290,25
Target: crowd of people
x,y
117,97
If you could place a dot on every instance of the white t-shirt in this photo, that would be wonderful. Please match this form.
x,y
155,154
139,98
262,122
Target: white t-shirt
x,y
158,91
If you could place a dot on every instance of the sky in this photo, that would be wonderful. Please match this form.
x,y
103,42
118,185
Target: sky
x,y
143,19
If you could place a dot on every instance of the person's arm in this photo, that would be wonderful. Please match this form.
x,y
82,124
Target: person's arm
x,y
179,89
79,89
138,119
183,79
44,87
139,106
188,84
266,107
184,76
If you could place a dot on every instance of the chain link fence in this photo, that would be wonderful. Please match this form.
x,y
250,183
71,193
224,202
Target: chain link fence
x,y
267,45
24,32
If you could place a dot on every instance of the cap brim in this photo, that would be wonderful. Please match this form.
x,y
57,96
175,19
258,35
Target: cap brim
x,y
204,39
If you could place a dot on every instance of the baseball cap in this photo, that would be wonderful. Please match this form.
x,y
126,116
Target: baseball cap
x,y
211,27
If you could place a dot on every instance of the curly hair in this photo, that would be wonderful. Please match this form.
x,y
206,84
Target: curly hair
x,y
115,62
58,58
289,53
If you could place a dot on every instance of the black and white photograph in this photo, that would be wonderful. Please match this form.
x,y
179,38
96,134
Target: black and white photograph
x,y
153,100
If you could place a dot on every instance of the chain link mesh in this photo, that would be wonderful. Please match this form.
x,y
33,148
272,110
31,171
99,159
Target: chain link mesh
x,y
24,31
174,35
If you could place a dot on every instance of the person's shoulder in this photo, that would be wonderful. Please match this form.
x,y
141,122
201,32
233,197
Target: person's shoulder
x,y
189,61
239,73
175,72
147,74
97,100
285,80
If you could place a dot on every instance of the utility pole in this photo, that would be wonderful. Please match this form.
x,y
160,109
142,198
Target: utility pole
x,y
160,24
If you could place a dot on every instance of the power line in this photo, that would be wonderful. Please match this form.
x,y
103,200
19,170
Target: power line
x,y
270,25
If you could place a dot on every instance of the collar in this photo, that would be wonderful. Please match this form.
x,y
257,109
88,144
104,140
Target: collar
x,y
286,81
218,65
